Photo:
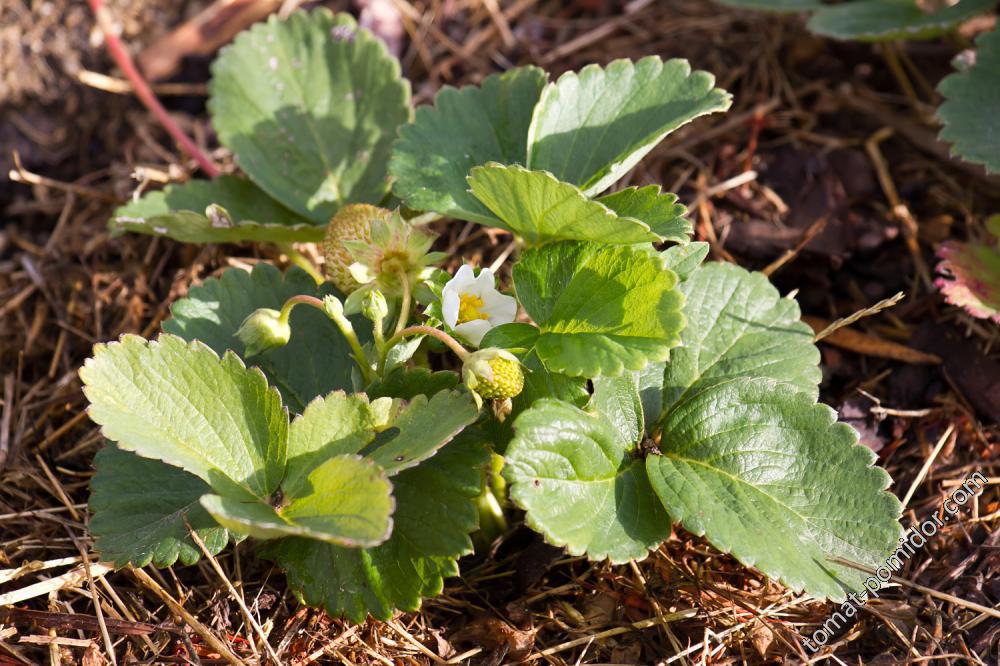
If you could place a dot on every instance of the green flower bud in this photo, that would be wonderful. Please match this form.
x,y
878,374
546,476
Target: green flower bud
x,y
493,374
374,306
264,329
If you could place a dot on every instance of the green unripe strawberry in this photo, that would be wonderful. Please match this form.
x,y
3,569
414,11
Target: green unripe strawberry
x,y
494,374
353,222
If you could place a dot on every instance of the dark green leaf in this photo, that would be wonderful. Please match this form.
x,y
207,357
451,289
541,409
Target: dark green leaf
x,y
972,106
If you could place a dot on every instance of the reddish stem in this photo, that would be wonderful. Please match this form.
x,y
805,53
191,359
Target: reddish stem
x,y
143,91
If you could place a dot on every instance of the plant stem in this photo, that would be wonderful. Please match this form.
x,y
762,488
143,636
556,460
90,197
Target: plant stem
x,y
449,341
404,308
301,261
341,322
143,91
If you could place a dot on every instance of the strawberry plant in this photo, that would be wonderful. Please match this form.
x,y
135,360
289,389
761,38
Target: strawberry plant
x,y
624,385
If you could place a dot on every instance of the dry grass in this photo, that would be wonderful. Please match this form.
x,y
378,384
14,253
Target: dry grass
x,y
64,285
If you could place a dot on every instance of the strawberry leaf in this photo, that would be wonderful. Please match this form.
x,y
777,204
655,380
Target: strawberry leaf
x,y
465,128
972,105
878,20
970,276
764,473
225,210
600,309
590,128
310,107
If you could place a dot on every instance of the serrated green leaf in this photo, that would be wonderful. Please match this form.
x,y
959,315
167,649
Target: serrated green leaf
x,y
346,500
739,326
617,399
972,106
225,210
685,259
140,510
540,209
310,107
407,383
659,210
314,362
423,428
766,474
434,515
878,20
600,309
513,336
180,403
774,5
464,129
590,128
581,486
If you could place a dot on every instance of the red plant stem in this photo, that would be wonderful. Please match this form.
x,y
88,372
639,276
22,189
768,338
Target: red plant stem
x,y
143,91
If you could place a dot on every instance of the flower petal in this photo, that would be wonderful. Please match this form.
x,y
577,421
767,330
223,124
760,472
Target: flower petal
x,y
450,302
499,308
473,331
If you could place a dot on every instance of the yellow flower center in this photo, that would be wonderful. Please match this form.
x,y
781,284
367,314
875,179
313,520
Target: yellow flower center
x,y
468,308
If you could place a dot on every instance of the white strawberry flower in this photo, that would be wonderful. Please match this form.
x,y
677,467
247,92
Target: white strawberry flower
x,y
471,304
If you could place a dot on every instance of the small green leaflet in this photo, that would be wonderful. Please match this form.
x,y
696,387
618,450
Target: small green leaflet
x,y
435,512
141,523
310,106
217,419
590,128
659,210
738,325
465,128
582,488
539,208
768,475
225,210
972,106
685,259
878,20
600,309
314,362
970,274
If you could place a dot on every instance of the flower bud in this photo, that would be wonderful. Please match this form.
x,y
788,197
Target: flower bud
x,y
374,307
493,374
263,330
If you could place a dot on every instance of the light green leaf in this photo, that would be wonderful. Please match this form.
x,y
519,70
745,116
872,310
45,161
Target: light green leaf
x,y
972,106
315,361
539,208
660,211
878,20
310,107
435,512
345,500
617,399
180,403
336,424
739,326
766,474
516,336
465,128
422,428
775,5
601,309
590,128
581,486
139,508
225,210
685,259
